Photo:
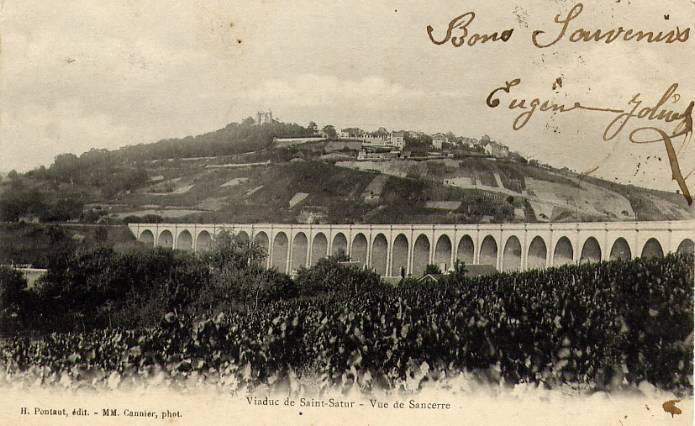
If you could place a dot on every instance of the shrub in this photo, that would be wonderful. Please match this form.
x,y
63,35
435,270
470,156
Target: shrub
x,y
12,285
432,269
332,275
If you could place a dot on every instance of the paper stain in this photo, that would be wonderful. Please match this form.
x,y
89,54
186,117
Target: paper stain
x,y
521,16
589,172
670,407
557,83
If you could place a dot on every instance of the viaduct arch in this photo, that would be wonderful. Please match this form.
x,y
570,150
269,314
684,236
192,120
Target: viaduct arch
x,y
687,246
564,252
394,249
147,237
620,250
340,244
511,260
537,253
380,254
443,253
184,241
358,252
319,248
399,254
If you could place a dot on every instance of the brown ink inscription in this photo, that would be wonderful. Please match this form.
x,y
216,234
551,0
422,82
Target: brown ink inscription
x,y
458,33
635,110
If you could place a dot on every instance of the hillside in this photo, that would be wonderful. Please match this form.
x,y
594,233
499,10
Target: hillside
x,y
279,192
235,174
436,191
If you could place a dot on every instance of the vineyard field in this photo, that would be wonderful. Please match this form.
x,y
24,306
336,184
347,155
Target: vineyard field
x,y
595,327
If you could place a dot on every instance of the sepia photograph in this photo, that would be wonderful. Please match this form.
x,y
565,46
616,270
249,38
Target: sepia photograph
x,y
390,212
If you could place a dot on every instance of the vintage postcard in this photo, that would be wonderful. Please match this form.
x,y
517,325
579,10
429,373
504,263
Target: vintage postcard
x,y
347,213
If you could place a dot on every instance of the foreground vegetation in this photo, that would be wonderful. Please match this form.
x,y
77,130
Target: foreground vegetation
x,y
162,316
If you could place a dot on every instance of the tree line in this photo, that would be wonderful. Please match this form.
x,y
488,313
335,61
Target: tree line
x,y
101,288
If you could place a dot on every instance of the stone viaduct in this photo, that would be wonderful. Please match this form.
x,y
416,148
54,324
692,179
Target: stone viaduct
x,y
389,249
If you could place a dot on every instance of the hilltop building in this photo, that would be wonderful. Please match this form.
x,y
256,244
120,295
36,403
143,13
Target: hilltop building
x,y
494,148
438,140
381,137
497,150
467,141
375,139
398,139
350,133
415,134
264,117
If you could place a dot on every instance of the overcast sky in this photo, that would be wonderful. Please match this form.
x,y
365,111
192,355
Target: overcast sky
x,y
106,74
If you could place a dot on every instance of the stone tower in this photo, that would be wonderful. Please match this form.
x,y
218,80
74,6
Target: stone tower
x,y
263,117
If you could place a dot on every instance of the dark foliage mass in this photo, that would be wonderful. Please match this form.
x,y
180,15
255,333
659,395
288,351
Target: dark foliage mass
x,y
595,326
96,288
34,244
332,275
20,201
59,192
12,299
49,245
235,138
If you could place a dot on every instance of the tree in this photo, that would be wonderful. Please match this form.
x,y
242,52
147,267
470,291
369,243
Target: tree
x,y
20,200
250,286
66,168
12,299
354,132
329,131
63,209
312,128
329,275
238,275
101,234
12,283
420,143
139,286
433,269
459,271
341,256
229,252
382,131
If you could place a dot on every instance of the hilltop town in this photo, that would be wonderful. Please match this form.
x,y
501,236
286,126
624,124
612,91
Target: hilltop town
x,y
394,144
264,170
